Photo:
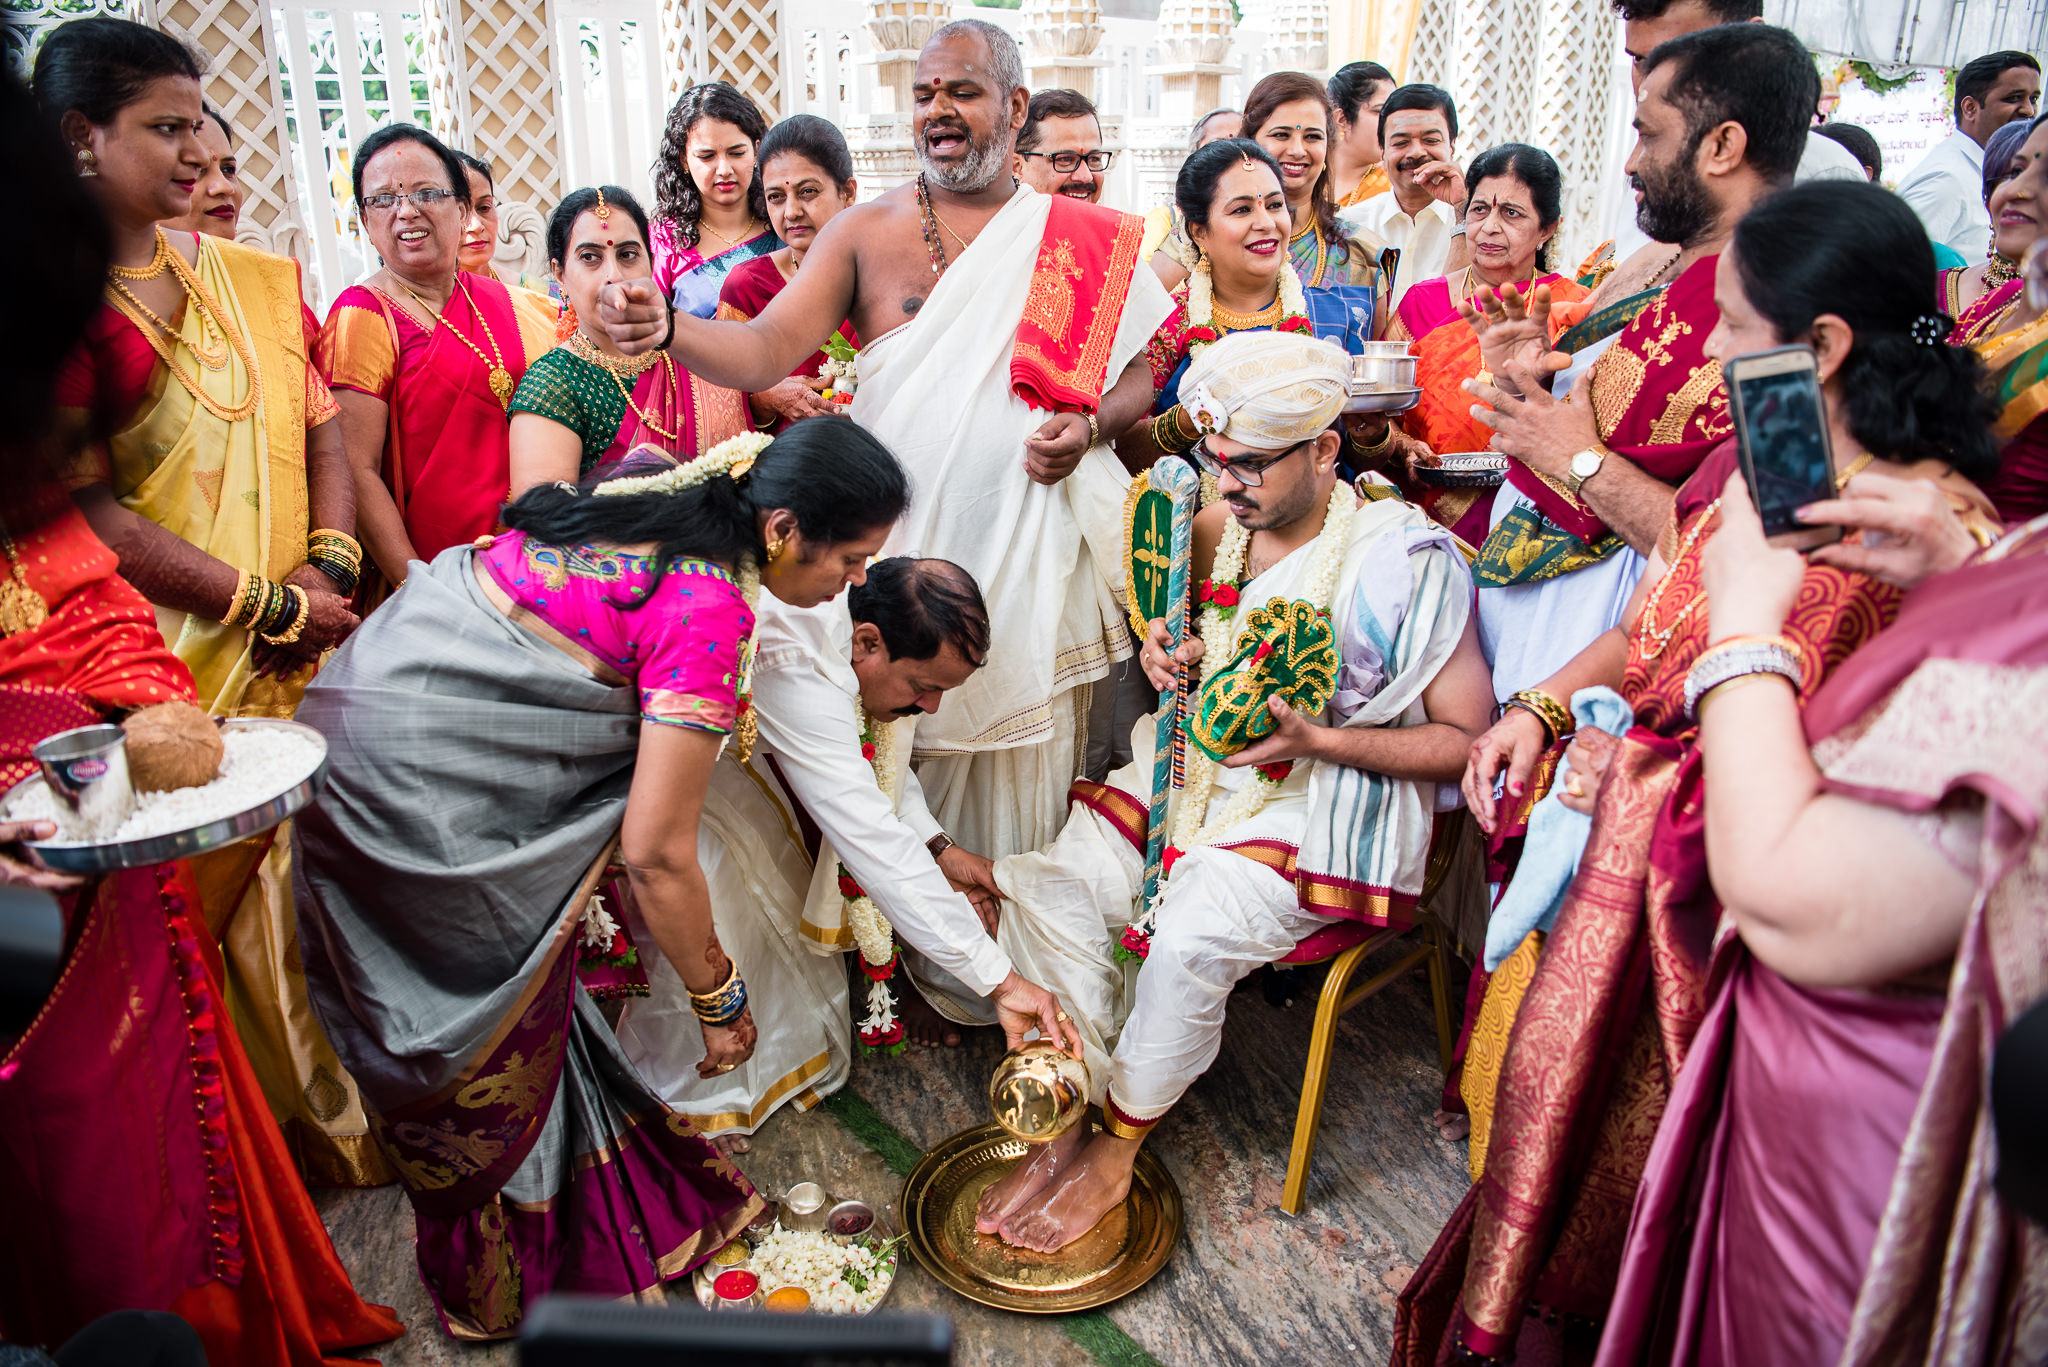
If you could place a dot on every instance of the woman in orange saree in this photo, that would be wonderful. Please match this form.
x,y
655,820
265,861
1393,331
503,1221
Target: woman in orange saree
x,y
423,359
1585,1055
141,1167
1511,213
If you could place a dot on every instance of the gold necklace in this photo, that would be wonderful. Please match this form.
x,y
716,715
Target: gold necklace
x,y
1646,625
752,228
210,318
159,262
501,378
619,367
21,607
948,227
1525,288
1229,320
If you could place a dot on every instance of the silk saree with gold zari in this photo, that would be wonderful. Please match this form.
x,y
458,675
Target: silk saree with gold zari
x,y
1527,1263
236,489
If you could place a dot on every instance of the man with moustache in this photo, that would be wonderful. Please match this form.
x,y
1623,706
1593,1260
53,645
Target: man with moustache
x,y
1944,187
1005,334
830,685
1059,148
1721,121
1422,214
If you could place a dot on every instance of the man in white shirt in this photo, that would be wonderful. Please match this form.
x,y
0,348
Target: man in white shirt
x,y
1420,216
1946,188
833,689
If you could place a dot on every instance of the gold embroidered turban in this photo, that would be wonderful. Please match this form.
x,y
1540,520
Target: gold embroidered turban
x,y
1267,390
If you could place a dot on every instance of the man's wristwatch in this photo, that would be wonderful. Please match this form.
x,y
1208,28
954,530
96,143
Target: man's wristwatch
x,y
1584,466
939,844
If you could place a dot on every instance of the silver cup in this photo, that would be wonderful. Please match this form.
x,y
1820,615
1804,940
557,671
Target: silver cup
x,y
804,1207
86,771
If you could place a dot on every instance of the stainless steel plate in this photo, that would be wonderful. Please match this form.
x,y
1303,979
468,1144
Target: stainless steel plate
x,y
158,849
1384,400
1110,1261
1467,470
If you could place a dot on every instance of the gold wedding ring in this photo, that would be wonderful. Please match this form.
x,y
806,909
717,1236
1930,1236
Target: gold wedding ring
x,y
727,1067
1062,1017
1572,786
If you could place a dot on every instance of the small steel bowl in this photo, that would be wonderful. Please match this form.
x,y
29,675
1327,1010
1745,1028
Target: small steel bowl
x,y
846,1209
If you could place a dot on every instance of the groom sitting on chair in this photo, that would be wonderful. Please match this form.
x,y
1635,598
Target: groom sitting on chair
x,y
1358,611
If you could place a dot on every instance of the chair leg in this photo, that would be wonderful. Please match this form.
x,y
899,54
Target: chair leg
x,y
1440,990
1322,1044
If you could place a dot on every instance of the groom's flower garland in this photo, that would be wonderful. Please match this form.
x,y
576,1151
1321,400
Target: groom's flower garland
x,y
1218,629
880,1031
1202,328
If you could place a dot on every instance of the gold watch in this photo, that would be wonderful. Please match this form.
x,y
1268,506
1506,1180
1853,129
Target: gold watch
x,y
1583,467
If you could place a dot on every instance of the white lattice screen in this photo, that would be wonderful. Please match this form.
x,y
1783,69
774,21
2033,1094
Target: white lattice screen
x,y
29,20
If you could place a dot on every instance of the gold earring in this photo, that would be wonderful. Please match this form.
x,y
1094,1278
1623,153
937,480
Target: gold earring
x,y
88,164
775,549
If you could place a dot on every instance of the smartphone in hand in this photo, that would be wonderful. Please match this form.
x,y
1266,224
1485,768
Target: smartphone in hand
x,y
1781,432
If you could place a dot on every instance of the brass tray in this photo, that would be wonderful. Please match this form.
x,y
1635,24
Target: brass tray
x,y
1109,1262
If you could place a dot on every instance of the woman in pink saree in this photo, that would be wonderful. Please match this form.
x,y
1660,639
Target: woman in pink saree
x,y
1890,849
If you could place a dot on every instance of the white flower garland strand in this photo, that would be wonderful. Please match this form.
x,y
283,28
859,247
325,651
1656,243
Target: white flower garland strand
x,y
1219,635
734,456
872,933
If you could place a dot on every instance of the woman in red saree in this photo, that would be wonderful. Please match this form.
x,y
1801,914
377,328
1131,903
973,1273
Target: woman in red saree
x,y
1613,993
585,405
423,359
1886,877
807,177
141,1167
1511,214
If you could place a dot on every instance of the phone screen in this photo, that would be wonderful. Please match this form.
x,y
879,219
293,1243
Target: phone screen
x,y
1785,437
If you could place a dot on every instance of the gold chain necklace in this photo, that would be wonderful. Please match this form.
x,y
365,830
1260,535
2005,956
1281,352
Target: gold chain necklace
x,y
619,367
161,337
1524,287
752,229
501,378
159,262
1646,625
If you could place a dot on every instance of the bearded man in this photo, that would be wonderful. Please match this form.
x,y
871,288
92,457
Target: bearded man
x,y
832,689
1721,122
1326,817
1005,335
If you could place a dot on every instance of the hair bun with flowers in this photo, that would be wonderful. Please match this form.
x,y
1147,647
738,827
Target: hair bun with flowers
x,y
735,456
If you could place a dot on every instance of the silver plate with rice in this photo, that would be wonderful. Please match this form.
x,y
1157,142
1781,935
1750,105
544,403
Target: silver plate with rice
x,y
252,819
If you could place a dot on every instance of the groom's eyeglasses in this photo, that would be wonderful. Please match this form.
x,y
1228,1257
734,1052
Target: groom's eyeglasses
x,y
1250,471
1066,162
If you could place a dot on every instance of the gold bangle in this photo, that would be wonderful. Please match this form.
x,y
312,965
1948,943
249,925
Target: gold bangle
x,y
291,634
1700,708
342,539
1094,431
1377,447
243,582
732,974
1555,716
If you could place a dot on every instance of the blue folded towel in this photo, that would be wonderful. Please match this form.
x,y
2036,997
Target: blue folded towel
x,y
1556,839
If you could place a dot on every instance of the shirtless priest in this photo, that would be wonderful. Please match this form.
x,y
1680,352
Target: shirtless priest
x,y
1326,818
833,686
1004,335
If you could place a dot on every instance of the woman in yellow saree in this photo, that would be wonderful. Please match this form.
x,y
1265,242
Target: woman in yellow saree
x,y
215,472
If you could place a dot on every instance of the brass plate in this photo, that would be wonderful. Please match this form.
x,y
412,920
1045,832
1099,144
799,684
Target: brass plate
x,y
1109,1262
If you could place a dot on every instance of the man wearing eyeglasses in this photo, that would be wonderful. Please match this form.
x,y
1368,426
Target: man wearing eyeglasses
x,y
1059,148
1321,810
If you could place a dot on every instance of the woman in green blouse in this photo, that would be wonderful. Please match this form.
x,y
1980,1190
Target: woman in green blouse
x,y
585,405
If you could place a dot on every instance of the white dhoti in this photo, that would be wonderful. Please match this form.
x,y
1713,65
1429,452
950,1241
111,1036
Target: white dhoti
x,y
758,874
996,759
1327,836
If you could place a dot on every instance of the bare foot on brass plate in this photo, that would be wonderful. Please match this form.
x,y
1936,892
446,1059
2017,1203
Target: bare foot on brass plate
x,y
1033,1173
1076,1203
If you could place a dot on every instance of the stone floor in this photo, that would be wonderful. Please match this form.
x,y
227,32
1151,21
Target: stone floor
x,y
1248,1285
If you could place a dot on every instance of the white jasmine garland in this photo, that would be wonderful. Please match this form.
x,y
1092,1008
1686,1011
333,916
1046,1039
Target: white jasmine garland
x,y
872,933
1202,298
734,456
